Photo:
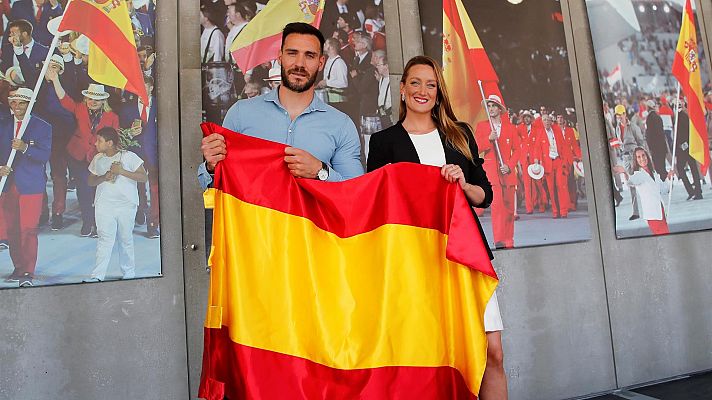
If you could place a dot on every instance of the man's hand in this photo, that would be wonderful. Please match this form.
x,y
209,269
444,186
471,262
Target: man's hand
x,y
353,73
493,136
214,150
504,170
5,170
301,164
109,177
53,3
19,145
150,60
51,75
116,168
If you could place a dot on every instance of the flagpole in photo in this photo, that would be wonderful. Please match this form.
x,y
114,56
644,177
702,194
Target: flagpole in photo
x,y
33,100
674,147
484,104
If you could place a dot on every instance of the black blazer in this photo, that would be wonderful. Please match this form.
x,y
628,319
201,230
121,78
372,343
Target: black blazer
x,y
393,145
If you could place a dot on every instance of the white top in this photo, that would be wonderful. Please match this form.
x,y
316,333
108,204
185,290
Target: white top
x,y
553,150
122,191
217,44
384,92
429,148
650,194
336,73
27,49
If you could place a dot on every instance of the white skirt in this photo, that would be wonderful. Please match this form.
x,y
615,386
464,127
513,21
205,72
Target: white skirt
x,y
493,320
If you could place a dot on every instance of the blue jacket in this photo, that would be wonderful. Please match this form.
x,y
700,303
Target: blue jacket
x,y
148,139
22,9
29,169
31,66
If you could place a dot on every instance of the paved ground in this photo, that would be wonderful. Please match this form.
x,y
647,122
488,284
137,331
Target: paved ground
x,y
65,257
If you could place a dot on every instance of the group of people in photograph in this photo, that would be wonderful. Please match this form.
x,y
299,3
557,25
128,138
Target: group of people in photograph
x,y
355,79
74,123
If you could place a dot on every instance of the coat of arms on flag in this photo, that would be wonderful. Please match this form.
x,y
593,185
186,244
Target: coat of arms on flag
x,y
309,7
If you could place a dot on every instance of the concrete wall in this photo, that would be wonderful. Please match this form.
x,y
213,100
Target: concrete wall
x,y
114,340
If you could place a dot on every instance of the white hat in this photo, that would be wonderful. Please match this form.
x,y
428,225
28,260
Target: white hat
x,y
274,75
53,27
493,98
19,78
578,169
95,92
21,94
57,59
651,103
536,171
81,44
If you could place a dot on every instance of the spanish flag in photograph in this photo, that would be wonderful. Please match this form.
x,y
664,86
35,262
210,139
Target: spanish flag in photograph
x,y
261,38
113,59
372,288
464,63
686,68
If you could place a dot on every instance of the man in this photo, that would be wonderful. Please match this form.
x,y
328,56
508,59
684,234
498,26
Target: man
x,y
336,76
575,150
534,194
501,175
555,157
655,138
239,14
22,195
682,153
141,118
332,11
631,137
365,86
291,114
38,13
380,62
25,52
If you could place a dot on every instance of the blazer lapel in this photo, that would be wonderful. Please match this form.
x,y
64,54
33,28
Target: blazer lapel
x,y
406,145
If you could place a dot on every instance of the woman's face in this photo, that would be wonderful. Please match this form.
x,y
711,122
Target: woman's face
x,y
420,89
641,158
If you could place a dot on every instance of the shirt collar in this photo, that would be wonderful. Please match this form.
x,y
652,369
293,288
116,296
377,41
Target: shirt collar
x,y
315,105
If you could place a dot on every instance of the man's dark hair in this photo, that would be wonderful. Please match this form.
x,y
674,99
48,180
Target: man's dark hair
x,y
213,15
302,29
109,133
248,9
22,24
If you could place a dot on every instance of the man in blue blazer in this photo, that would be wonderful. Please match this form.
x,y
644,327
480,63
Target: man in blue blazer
x,y
38,13
142,118
21,198
24,51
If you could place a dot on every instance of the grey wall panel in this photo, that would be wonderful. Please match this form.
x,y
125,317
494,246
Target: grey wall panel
x,y
411,30
659,289
113,340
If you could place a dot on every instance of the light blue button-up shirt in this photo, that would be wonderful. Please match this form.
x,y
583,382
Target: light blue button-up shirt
x,y
325,132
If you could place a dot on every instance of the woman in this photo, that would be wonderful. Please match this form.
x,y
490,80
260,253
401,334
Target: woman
x,y
428,133
650,190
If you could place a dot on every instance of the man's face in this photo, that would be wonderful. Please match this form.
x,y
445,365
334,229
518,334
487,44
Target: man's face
x,y
54,67
493,109
142,57
18,107
621,118
560,120
149,89
547,120
252,91
341,23
16,33
360,44
527,120
301,61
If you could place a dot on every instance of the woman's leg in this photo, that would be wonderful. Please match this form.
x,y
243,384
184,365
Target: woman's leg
x,y
494,382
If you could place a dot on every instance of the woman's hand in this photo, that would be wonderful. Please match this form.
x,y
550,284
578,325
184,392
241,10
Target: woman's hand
x,y
453,173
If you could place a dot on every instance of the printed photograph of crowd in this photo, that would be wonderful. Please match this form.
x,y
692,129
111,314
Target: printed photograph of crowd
x,y
640,97
355,78
544,195
80,203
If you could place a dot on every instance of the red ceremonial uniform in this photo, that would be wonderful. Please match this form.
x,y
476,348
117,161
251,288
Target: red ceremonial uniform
x,y
555,169
534,194
575,148
503,186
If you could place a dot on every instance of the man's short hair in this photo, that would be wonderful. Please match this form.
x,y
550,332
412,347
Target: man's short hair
x,y
365,37
22,24
351,20
248,9
302,29
212,15
333,43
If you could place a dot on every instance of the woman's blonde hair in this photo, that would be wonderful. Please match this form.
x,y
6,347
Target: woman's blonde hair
x,y
456,133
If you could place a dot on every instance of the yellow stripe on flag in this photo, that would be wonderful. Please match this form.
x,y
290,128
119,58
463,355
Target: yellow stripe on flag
x,y
347,303
102,70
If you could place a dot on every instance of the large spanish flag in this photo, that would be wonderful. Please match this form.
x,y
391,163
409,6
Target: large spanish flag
x,y
686,67
261,38
373,288
113,59
464,63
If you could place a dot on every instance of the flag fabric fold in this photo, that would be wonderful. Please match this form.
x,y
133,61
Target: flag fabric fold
x,y
464,63
260,40
113,59
686,68
371,288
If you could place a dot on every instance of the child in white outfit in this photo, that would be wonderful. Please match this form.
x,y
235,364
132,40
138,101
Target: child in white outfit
x,y
115,173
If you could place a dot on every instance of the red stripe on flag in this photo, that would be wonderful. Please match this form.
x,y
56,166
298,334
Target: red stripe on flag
x,y
480,65
260,51
261,374
99,28
366,202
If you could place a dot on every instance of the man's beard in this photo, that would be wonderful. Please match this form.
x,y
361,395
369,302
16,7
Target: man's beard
x,y
297,87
